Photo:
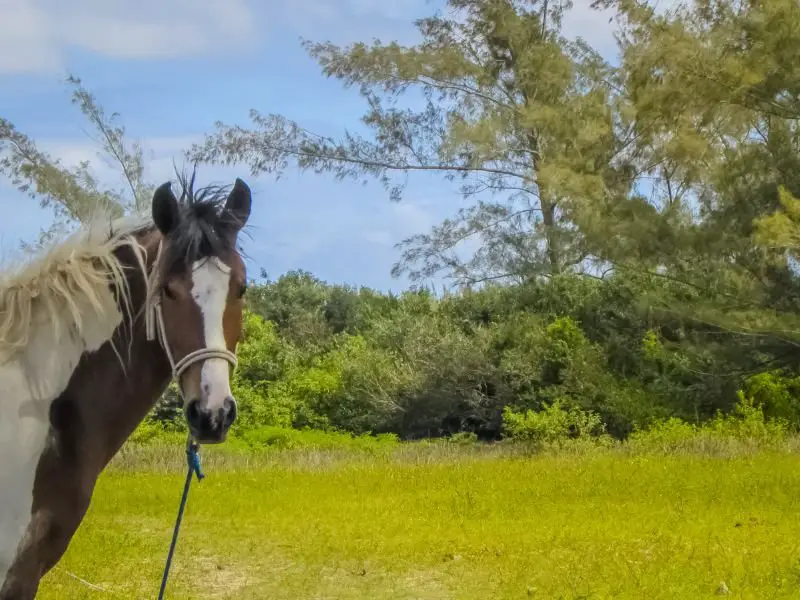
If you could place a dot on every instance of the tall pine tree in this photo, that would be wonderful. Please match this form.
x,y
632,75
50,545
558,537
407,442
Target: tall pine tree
x,y
521,116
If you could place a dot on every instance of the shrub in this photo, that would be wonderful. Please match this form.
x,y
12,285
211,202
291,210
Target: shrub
x,y
464,438
552,425
745,428
289,439
776,392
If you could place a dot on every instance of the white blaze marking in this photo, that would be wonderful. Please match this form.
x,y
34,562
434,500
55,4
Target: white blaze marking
x,y
210,280
28,385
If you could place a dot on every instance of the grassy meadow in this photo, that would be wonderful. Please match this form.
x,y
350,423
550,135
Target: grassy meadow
x,y
443,521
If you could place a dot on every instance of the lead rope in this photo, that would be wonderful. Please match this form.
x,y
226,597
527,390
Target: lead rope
x,y
154,326
193,460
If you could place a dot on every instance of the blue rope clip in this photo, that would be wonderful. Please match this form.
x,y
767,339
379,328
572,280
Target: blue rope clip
x,y
193,459
193,462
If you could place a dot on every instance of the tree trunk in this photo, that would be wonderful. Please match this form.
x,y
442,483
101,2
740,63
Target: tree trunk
x,y
550,236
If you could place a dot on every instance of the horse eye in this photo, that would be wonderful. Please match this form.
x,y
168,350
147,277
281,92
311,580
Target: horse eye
x,y
242,290
168,292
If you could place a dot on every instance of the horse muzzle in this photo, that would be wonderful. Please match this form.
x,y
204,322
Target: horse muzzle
x,y
210,424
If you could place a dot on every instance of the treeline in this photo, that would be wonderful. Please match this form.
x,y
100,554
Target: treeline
x,y
633,226
627,249
337,358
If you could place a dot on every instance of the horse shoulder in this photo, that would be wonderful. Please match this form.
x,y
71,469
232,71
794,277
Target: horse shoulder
x,y
30,381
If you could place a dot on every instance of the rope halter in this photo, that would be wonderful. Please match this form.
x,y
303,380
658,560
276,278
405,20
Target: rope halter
x,y
155,328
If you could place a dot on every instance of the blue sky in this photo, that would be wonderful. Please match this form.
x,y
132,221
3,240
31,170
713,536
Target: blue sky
x,y
171,68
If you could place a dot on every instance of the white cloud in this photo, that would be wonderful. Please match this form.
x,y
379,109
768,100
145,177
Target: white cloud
x,y
25,34
346,21
159,154
338,231
35,34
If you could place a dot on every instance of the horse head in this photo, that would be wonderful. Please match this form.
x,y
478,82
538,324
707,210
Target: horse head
x,y
196,298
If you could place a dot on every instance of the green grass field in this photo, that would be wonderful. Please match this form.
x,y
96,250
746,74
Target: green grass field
x,y
460,524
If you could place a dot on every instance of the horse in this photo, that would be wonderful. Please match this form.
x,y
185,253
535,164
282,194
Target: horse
x,y
92,332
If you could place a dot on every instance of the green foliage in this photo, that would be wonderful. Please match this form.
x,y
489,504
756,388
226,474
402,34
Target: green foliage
x,y
293,439
671,178
746,426
781,229
748,422
551,425
151,431
676,171
75,195
777,393
168,411
469,364
508,108
463,438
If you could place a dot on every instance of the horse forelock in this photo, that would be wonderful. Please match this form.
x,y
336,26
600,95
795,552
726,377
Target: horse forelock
x,y
205,229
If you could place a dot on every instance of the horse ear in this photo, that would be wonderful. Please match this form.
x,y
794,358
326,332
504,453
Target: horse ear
x,y
238,204
166,212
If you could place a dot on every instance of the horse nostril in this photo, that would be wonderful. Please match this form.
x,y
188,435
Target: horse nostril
x,y
193,412
229,407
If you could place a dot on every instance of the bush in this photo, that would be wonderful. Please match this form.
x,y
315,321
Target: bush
x,y
776,392
487,363
745,428
664,435
289,439
748,423
153,432
464,438
552,425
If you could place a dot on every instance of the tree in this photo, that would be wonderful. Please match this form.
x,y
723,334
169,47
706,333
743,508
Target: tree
x,y
711,90
75,195
501,102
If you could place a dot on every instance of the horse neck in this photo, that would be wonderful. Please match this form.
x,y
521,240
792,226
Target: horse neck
x,y
123,380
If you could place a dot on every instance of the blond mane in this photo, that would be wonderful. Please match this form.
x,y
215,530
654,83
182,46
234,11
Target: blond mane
x,y
60,283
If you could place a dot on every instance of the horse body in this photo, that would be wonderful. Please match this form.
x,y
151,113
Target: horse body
x,y
79,368
33,375
28,387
